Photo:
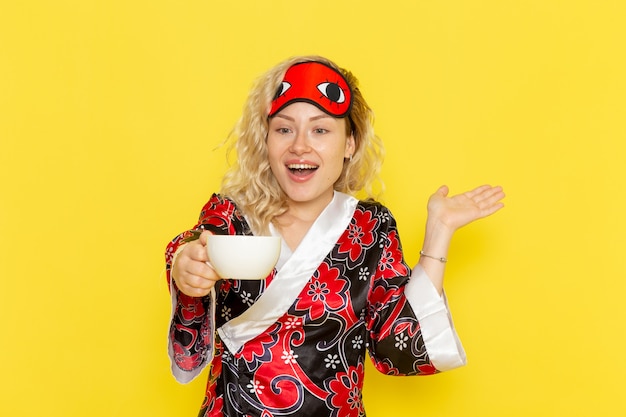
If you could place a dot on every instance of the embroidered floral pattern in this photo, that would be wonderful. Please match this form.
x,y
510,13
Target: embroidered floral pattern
x,y
255,387
357,342
332,361
346,398
401,340
289,357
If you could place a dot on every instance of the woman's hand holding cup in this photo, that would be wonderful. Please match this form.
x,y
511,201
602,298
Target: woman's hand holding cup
x,y
191,271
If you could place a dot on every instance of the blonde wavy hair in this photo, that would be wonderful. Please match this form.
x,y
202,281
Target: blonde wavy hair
x,y
250,181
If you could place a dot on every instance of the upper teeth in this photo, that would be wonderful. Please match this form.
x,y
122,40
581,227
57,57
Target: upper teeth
x,y
301,166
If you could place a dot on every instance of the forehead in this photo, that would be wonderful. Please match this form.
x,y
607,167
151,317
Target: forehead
x,y
302,111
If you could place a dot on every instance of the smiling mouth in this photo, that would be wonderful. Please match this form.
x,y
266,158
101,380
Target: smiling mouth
x,y
301,169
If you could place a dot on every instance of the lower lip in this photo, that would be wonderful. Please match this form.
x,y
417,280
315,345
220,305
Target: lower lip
x,y
304,176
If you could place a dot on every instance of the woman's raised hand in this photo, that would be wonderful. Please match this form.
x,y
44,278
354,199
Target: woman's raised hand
x,y
459,210
448,214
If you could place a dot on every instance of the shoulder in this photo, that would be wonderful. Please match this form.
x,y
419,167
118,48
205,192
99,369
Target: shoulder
x,y
217,203
375,210
373,206
221,211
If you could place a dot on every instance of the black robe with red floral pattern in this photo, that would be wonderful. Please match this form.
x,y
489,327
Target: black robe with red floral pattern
x,y
310,362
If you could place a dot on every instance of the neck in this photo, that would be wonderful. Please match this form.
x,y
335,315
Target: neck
x,y
307,211
297,220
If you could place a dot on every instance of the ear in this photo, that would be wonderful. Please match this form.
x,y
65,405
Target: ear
x,y
350,146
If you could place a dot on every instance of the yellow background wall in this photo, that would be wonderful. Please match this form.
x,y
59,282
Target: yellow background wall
x,y
110,114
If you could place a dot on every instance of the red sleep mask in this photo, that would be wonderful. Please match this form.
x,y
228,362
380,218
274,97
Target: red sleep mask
x,y
315,83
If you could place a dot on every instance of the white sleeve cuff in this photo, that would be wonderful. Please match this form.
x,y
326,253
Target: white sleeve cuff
x,y
442,342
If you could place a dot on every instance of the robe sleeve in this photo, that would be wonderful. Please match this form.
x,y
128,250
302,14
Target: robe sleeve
x,y
192,323
410,329
191,336
440,337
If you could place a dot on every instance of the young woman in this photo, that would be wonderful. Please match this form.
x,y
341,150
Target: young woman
x,y
295,343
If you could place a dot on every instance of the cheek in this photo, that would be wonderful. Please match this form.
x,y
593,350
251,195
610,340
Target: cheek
x,y
273,154
340,151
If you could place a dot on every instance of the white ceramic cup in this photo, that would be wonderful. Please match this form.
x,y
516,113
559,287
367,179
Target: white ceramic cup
x,y
243,257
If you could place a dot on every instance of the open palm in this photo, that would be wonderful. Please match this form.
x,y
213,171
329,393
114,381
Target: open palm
x,y
459,210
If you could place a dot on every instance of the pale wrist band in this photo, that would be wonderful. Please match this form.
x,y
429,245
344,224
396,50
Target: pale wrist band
x,y
440,259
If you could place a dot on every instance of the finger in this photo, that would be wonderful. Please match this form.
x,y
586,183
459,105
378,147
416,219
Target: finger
x,y
491,196
201,269
488,211
443,191
487,193
204,236
198,275
193,291
197,251
477,191
492,204
194,281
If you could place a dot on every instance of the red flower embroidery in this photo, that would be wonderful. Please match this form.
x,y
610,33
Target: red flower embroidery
x,y
386,368
391,263
381,295
190,307
169,253
379,299
216,406
427,369
184,359
324,294
359,235
346,397
259,347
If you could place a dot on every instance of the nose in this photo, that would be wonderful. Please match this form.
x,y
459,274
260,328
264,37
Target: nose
x,y
300,144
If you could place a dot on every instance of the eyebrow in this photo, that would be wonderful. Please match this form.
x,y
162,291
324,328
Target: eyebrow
x,y
312,119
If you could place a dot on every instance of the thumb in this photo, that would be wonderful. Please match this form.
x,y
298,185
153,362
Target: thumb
x,y
204,237
443,191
